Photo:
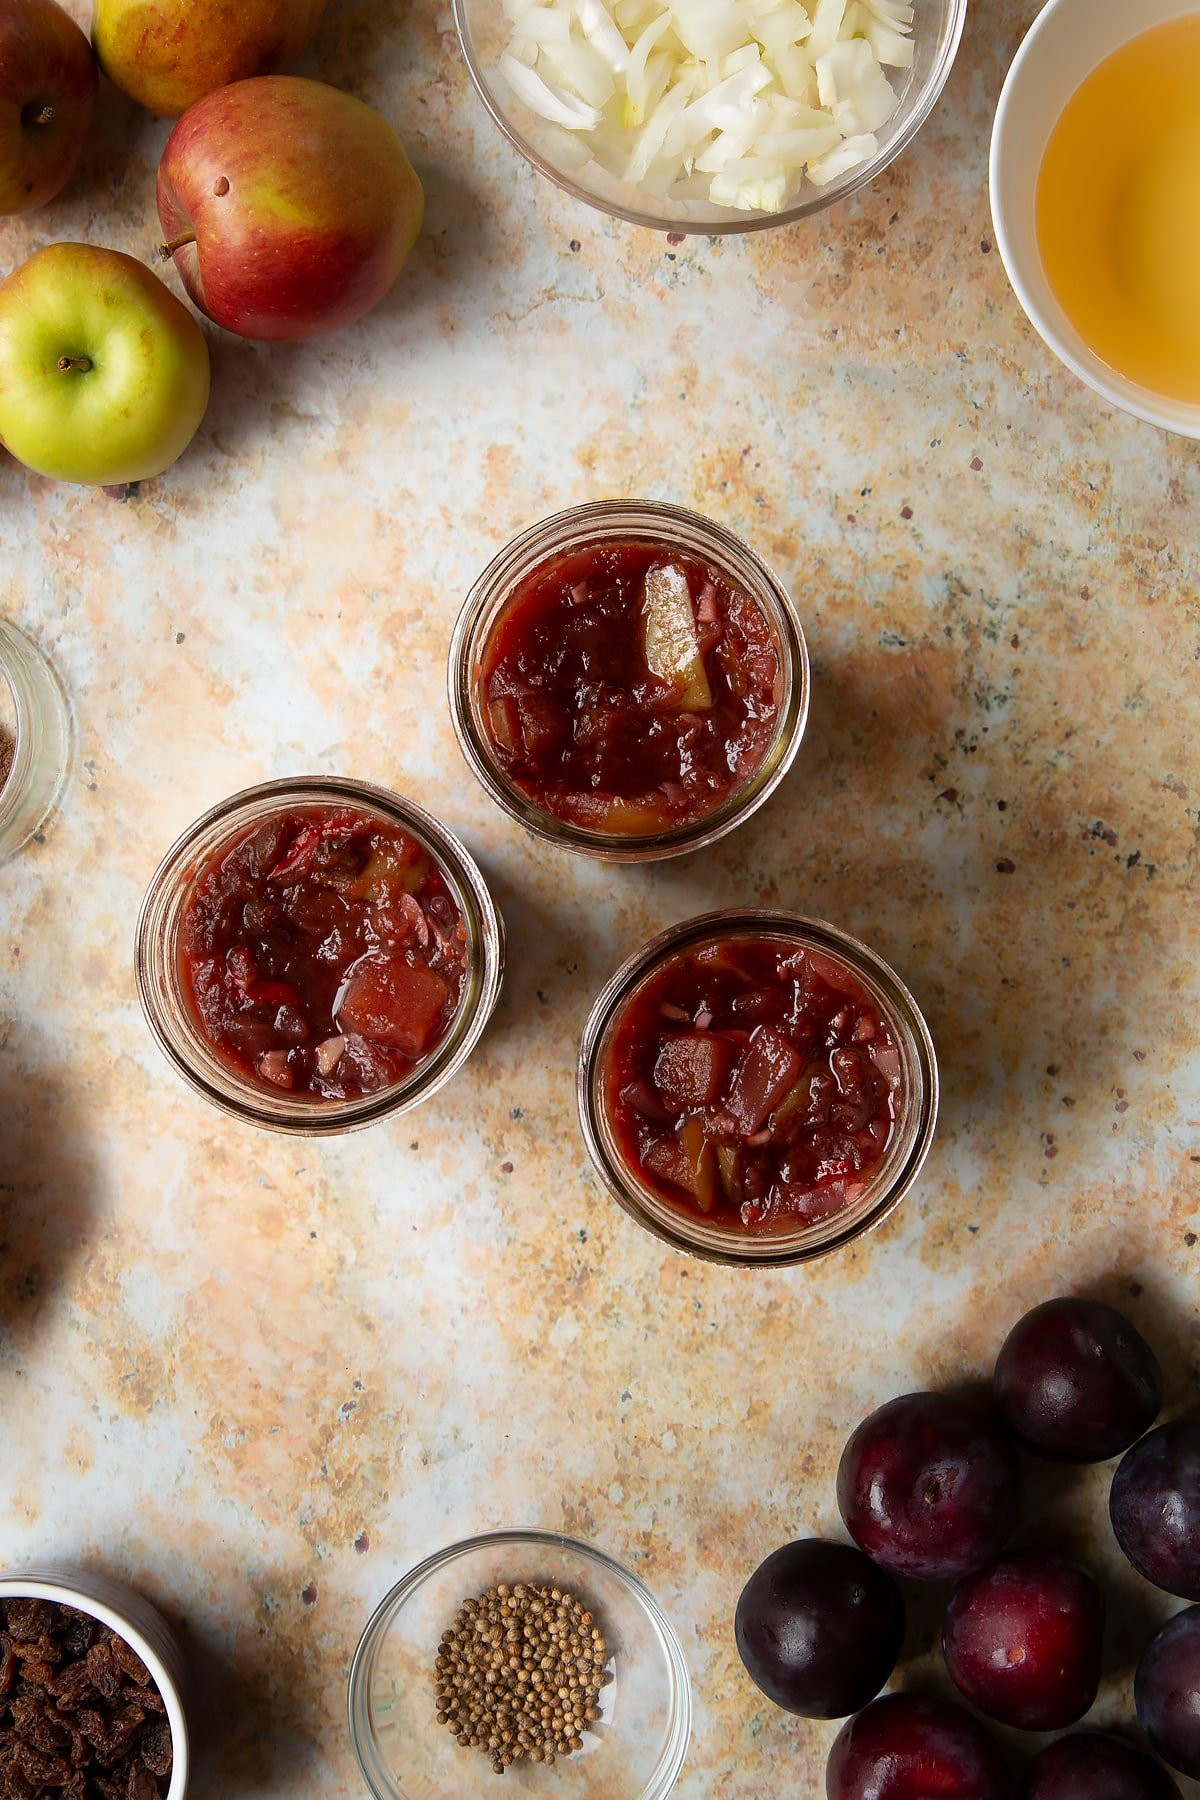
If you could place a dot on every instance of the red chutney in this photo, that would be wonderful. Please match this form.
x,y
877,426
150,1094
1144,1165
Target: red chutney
x,y
629,689
323,953
753,1083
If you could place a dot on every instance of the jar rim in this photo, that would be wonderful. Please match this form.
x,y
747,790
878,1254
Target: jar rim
x,y
156,958
727,1244
576,527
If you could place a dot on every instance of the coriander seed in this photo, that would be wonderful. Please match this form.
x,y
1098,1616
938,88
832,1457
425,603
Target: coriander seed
x,y
519,1672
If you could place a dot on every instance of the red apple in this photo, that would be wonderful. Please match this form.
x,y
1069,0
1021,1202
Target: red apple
x,y
47,92
288,206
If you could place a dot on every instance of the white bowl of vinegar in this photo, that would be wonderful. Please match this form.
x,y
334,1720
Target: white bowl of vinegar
x,y
1095,189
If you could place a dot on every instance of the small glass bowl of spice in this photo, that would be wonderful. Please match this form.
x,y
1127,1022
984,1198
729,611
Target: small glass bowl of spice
x,y
629,680
522,1654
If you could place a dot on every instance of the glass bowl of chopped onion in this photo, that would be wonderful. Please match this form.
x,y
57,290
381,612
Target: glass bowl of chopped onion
x,y
710,116
465,1633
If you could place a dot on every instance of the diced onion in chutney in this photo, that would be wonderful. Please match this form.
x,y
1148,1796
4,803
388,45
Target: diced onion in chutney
x,y
669,636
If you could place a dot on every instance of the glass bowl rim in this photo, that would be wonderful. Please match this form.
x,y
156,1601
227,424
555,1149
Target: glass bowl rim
x,y
572,527
841,189
32,789
487,937
361,1664
729,921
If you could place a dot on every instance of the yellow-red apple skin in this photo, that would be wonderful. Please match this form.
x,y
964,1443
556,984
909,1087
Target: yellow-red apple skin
x,y
167,54
302,202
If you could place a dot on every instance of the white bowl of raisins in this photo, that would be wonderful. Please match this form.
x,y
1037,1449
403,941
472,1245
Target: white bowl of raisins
x,y
92,1684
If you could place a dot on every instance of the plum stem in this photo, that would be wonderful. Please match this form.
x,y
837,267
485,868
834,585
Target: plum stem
x,y
167,250
81,363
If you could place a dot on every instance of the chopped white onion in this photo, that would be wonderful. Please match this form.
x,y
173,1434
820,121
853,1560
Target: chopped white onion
x,y
578,70
638,81
849,155
560,109
544,25
709,29
827,23
891,47
600,30
733,101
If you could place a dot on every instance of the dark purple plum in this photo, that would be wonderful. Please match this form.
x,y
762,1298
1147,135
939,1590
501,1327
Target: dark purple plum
x,y
914,1747
1090,1766
819,1628
1154,1505
1075,1382
1022,1640
930,1486
1166,1692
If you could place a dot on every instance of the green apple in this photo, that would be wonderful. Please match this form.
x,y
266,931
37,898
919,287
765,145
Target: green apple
x,y
103,373
168,53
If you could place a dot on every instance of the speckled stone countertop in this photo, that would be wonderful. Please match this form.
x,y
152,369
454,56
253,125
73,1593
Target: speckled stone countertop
x,y
259,1377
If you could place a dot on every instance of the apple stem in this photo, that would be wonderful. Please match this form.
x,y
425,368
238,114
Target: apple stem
x,y
82,363
167,251
46,116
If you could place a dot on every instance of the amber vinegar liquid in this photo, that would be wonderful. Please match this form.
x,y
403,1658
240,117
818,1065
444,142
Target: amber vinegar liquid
x,y
1118,209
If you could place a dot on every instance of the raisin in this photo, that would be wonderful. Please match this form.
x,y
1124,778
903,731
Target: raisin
x,y
131,1662
16,1785
26,1619
8,1663
38,1725
124,1730
104,1670
72,1686
37,1674
44,1768
111,1734
155,1748
142,1785
43,1649
76,1630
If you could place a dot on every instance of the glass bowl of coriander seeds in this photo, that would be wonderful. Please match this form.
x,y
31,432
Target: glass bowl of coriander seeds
x,y
521,1654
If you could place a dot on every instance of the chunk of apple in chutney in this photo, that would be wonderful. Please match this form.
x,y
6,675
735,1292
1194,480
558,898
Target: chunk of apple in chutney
x,y
394,1002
